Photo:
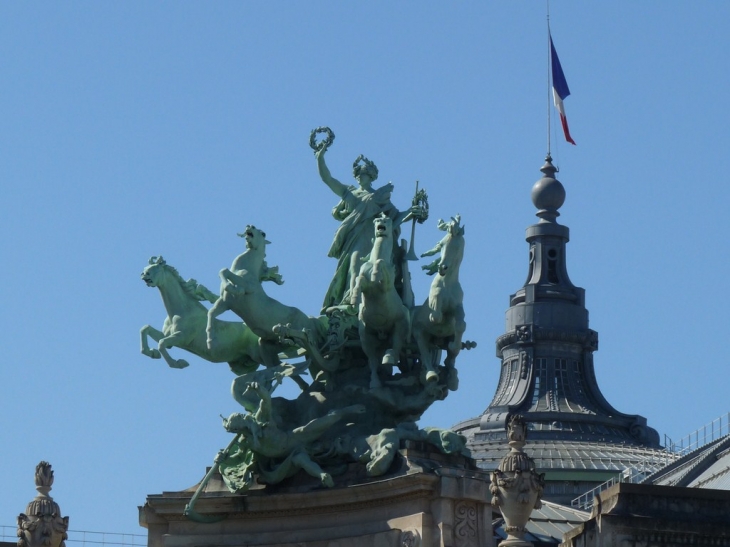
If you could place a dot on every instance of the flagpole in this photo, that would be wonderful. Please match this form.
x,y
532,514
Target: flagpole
x,y
547,2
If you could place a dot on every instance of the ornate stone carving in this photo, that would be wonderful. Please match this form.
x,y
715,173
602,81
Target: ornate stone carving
x,y
524,333
516,487
466,528
42,525
525,365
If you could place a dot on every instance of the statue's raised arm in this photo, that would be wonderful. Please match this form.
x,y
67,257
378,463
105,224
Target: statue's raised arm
x,y
320,148
335,185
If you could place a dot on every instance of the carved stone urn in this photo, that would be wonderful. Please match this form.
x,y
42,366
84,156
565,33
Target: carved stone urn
x,y
42,525
516,487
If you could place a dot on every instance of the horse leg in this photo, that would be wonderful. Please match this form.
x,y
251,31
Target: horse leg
x,y
370,346
459,328
353,291
220,306
231,282
436,303
452,378
170,341
357,288
453,349
424,349
153,333
400,334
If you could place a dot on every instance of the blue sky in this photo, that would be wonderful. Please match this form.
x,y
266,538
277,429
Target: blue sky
x,y
143,128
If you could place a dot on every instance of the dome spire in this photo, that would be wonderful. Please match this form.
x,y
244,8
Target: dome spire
x,y
547,375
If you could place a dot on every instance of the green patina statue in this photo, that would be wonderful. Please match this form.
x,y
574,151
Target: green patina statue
x,y
186,322
373,358
279,453
440,320
358,207
383,319
242,292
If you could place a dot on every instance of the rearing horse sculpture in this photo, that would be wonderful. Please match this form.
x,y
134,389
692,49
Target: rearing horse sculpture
x,y
242,293
384,321
186,321
439,322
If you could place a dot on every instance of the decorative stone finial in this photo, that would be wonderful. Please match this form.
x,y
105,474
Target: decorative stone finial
x,y
42,525
516,487
548,194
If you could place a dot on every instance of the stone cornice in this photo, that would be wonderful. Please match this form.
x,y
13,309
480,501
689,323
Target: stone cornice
x,y
404,489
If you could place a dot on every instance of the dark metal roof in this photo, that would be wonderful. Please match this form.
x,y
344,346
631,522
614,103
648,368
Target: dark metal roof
x,y
570,455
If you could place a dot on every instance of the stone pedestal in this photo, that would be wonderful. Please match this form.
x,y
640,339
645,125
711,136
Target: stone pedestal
x,y
428,500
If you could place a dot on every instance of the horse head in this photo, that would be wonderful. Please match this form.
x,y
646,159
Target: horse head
x,y
255,238
454,227
382,239
152,274
383,226
452,246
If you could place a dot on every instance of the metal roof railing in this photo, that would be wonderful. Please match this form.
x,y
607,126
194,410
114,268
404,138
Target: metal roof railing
x,y
706,434
584,502
719,427
81,538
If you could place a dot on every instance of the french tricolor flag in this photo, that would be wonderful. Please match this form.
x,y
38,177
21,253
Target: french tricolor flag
x,y
560,90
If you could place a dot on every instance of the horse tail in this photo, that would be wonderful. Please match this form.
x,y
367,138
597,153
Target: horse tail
x,y
271,274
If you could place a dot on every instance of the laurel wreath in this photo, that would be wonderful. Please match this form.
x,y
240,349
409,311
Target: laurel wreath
x,y
421,199
324,143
